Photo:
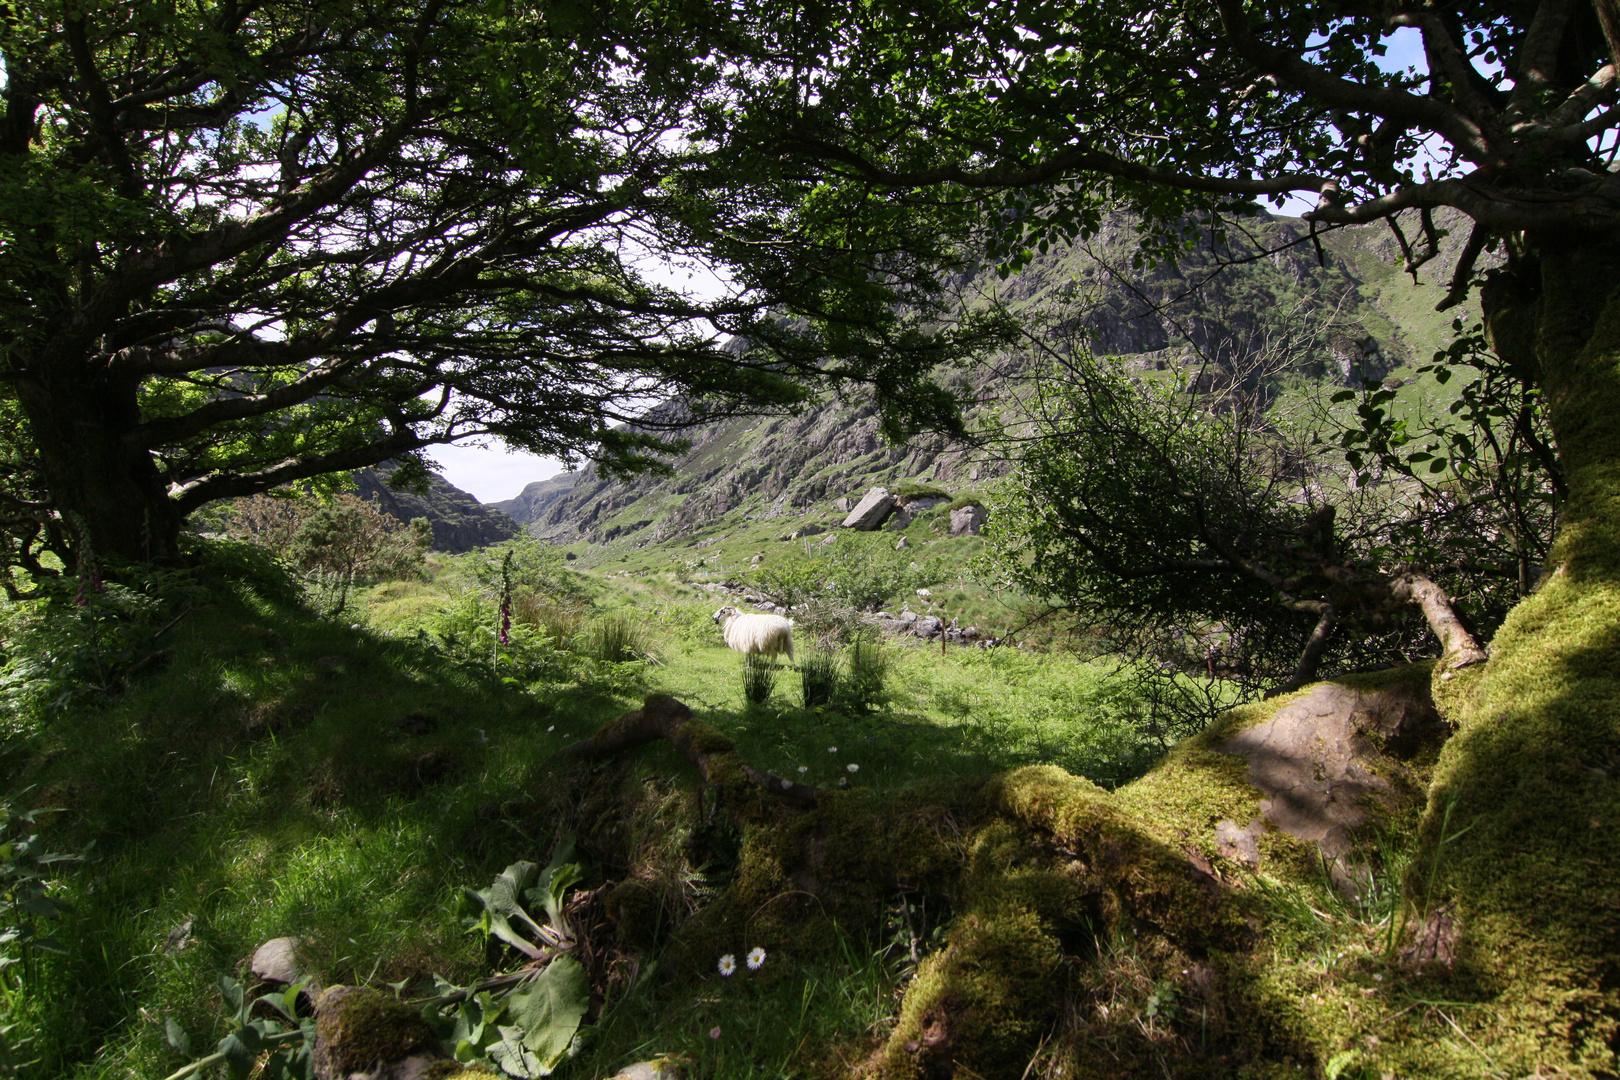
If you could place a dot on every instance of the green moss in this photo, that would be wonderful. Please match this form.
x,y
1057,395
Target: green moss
x,y
442,1070
914,490
1521,830
361,1027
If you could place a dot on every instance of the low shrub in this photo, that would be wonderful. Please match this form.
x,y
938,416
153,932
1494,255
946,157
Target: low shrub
x,y
615,639
819,677
866,669
759,679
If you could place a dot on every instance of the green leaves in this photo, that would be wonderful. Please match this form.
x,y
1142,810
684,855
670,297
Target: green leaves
x,y
542,1014
502,909
548,1011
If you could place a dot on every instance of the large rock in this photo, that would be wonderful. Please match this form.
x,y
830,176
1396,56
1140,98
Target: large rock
x,y
967,519
871,511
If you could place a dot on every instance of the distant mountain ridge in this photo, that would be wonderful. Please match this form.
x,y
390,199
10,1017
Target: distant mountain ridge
x,y
460,522
1369,317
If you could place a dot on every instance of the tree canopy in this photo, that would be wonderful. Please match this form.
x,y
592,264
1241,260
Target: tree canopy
x,y
1192,114
246,245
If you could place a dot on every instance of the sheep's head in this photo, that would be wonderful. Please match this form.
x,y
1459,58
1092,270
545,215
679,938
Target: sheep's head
x,y
727,612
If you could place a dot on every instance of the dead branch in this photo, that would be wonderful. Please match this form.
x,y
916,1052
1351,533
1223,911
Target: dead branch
x,y
1458,647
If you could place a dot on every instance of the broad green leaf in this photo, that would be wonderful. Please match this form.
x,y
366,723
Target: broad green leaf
x,y
550,1007
515,1059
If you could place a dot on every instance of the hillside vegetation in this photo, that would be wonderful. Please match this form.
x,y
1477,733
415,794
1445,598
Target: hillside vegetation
x,y
235,768
1349,316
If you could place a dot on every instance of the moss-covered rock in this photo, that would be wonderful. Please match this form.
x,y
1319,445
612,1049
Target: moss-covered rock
x,y
358,1030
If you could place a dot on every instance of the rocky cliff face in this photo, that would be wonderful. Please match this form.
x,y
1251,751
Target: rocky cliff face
x,y
460,522
1342,308
533,501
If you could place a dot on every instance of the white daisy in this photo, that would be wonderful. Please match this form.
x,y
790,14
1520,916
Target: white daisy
x,y
804,768
756,958
832,749
728,964
852,767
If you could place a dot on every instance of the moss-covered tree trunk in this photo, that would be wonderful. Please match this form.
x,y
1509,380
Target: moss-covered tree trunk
x,y
1522,833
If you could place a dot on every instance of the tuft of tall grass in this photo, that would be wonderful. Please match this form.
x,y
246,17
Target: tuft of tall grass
x,y
615,639
759,679
819,677
861,689
558,622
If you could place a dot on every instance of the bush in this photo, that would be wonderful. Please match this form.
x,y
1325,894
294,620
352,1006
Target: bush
x,y
859,572
860,690
818,677
915,490
759,679
615,639
335,543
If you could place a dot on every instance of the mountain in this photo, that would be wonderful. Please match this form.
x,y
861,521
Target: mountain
x,y
533,500
1335,303
460,522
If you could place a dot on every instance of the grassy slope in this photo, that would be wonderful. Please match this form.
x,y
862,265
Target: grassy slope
x,y
289,775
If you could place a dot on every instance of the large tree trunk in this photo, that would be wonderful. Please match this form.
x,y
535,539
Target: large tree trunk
x,y
107,488
1522,833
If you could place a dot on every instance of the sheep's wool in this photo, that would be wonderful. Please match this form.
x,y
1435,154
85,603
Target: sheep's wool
x,y
754,633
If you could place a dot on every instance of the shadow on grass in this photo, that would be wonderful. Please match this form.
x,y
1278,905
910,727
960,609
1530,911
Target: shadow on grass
x,y
282,776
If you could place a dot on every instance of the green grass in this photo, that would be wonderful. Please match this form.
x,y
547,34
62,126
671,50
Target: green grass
x,y
291,775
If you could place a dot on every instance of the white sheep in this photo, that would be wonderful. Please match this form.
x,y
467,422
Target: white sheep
x,y
763,634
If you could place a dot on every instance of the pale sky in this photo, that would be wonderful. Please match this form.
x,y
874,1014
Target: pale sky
x,y
493,473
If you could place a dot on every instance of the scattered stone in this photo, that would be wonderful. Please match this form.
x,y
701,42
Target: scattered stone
x,y
276,961
929,626
925,593
842,505
908,616
921,504
872,511
968,520
179,937
756,560
1241,845
902,545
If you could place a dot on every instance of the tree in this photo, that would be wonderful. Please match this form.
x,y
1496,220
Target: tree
x,y
1189,115
247,245
1187,519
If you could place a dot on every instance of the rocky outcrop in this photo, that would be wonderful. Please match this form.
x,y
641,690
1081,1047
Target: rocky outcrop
x,y
968,519
1347,314
872,511
533,501
460,522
